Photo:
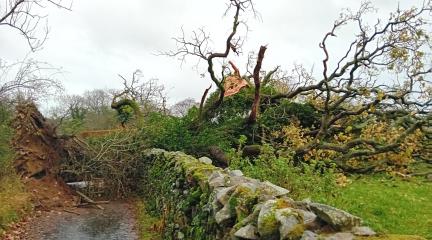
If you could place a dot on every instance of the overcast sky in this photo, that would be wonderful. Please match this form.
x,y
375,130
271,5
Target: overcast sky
x,y
99,39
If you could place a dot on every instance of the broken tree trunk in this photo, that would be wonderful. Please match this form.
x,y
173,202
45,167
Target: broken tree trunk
x,y
256,76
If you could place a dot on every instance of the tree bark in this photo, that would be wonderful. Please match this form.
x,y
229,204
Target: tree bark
x,y
255,106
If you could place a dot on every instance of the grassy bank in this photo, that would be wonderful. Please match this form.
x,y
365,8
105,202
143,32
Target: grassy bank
x,y
146,223
14,201
389,205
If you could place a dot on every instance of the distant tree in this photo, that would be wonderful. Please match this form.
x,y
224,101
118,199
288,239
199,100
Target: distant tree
x,y
181,108
69,115
29,80
150,94
97,100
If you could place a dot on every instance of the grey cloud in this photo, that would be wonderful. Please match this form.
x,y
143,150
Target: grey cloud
x,y
100,38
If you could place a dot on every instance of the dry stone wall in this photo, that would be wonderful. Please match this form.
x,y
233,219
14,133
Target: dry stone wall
x,y
197,200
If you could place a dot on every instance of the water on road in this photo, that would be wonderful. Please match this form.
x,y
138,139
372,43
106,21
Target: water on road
x,y
115,222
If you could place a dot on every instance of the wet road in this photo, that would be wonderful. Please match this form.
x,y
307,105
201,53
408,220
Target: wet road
x,y
116,221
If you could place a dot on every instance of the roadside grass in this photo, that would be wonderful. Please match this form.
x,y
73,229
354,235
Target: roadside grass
x,y
390,205
14,201
146,223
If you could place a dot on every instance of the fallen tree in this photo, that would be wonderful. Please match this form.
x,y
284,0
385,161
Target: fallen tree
x,y
370,104
39,153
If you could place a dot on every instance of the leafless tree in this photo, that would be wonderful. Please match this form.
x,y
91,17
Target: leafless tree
x,y
29,79
97,100
24,16
181,108
150,94
198,45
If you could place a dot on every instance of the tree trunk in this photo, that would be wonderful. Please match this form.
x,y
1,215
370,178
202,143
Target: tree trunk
x,y
255,106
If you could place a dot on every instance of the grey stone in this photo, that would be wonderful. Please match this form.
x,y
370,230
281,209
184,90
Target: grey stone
x,y
216,206
309,235
288,220
223,215
308,217
236,180
223,194
155,151
273,190
205,160
337,218
251,186
217,179
268,227
363,231
236,173
340,236
429,177
247,232
216,174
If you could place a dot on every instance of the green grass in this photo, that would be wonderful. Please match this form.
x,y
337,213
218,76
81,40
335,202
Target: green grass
x,y
14,201
146,223
388,205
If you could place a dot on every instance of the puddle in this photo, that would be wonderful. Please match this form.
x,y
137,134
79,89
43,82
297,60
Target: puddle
x,y
116,222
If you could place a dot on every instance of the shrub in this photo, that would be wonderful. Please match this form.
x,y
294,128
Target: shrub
x,y
279,115
127,110
181,134
304,181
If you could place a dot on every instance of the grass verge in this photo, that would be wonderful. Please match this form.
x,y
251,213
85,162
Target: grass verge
x,y
14,201
389,205
146,223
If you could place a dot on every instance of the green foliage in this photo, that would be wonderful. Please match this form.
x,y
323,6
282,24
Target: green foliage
x,y
72,126
276,116
233,108
167,132
78,113
13,198
5,137
125,113
127,109
106,119
75,123
180,134
300,180
231,116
